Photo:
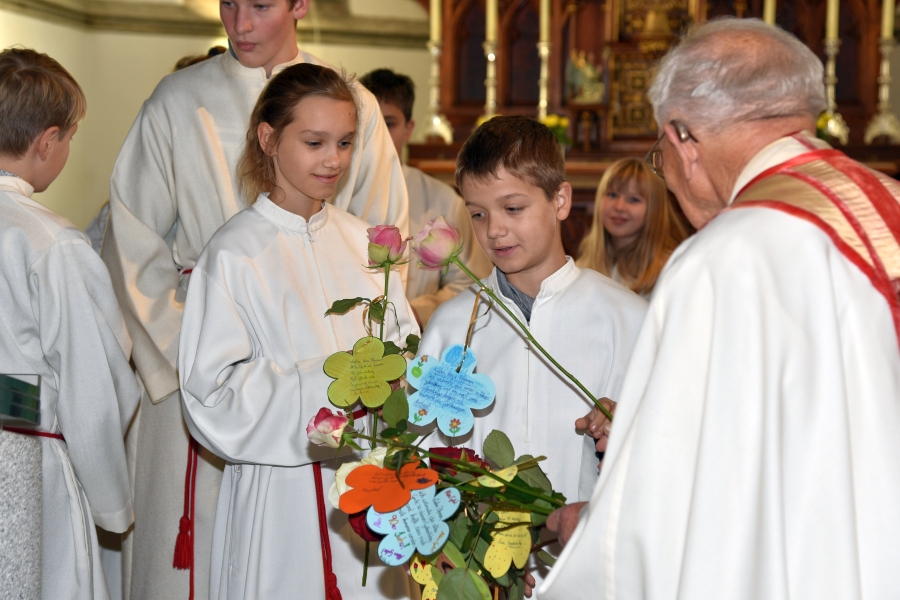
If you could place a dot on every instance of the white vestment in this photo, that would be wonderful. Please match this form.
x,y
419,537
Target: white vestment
x,y
430,199
253,343
172,187
754,452
589,324
60,320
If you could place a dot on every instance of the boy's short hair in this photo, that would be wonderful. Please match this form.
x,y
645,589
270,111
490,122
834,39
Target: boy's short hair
x,y
523,147
36,93
392,88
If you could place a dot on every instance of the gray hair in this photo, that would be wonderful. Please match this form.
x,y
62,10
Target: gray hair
x,y
729,71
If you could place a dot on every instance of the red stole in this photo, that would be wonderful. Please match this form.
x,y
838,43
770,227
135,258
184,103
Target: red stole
x,y
857,209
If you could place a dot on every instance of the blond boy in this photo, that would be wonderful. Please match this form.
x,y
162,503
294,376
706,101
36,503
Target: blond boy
x,y
60,321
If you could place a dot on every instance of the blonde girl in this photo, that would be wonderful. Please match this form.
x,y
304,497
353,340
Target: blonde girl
x,y
635,227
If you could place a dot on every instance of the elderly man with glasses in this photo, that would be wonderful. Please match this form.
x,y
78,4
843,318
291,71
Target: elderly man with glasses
x,y
754,453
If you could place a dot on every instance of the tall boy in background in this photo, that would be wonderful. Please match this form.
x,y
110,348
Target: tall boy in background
x,y
512,176
172,187
428,199
60,320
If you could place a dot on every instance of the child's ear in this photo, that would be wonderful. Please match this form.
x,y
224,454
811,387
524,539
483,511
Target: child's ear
x,y
46,140
563,200
265,133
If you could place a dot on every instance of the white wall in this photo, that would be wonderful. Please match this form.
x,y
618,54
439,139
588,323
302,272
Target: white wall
x,y
118,71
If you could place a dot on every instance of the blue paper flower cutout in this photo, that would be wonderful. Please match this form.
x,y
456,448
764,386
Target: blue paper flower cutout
x,y
419,525
448,391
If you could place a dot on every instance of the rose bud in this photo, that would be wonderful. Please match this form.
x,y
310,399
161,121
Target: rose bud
x,y
326,428
437,244
386,245
455,452
361,527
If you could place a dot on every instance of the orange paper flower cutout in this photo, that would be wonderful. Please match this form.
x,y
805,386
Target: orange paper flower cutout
x,y
381,488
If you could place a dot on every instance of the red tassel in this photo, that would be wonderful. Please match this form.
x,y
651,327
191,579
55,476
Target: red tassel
x,y
331,588
184,543
184,546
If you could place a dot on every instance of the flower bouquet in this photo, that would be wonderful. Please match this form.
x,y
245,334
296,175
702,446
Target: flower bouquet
x,y
463,525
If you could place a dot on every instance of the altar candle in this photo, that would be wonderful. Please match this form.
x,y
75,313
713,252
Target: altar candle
x,y
832,10
769,11
490,29
435,21
545,21
887,19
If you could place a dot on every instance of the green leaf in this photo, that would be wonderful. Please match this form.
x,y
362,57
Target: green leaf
x,y
535,477
546,558
412,344
376,312
498,449
389,432
463,584
517,591
481,548
537,519
459,527
436,575
392,348
409,438
396,408
341,307
353,444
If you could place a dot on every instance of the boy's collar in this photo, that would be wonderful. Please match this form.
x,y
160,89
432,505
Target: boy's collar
x,y
15,183
550,286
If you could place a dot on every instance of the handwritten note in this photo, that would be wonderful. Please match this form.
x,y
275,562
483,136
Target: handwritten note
x,y
418,526
382,488
448,390
510,542
363,375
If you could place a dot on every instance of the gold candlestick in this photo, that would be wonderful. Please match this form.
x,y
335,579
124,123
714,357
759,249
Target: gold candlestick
x,y
490,82
835,127
543,82
544,52
884,122
438,125
769,11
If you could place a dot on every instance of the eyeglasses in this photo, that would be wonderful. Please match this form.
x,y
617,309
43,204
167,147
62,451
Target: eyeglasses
x,y
654,158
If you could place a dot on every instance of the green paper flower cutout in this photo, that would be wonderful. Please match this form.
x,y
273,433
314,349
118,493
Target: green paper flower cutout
x,y
363,375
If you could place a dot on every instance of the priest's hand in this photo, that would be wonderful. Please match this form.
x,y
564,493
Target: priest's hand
x,y
596,423
564,521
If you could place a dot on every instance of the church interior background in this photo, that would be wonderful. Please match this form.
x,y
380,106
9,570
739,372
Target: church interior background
x,y
600,56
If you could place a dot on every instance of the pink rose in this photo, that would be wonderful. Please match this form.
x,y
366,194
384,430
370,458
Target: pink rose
x,y
326,428
437,244
386,245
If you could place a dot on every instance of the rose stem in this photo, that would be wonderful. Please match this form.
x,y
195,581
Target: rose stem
x,y
530,337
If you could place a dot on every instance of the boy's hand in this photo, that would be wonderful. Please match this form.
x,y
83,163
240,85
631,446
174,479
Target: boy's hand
x,y
596,423
529,584
564,521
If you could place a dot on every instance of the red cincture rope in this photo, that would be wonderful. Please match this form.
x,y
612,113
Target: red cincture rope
x,y
331,588
184,543
34,432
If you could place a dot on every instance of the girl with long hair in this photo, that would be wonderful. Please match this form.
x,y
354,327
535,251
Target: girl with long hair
x,y
254,340
635,227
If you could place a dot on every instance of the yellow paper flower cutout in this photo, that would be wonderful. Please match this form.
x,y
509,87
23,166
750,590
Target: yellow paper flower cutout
x,y
511,544
422,574
506,474
363,375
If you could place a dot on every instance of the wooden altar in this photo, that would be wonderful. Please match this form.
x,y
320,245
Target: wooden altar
x,y
619,42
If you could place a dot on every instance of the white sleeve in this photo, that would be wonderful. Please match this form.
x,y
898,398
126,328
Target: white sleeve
x,y
142,212
83,338
237,403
